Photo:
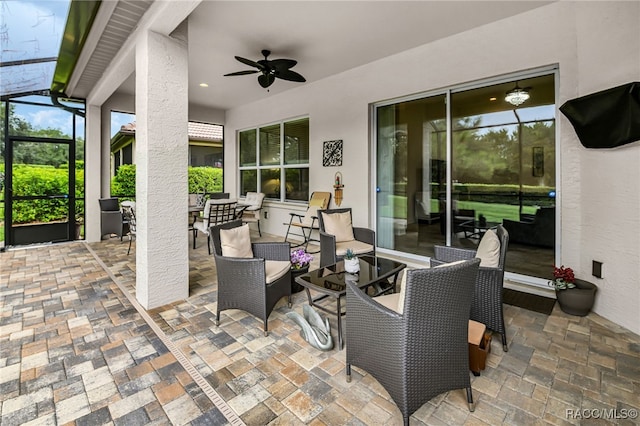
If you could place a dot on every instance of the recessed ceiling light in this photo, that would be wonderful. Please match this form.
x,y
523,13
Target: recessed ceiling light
x,y
493,99
204,85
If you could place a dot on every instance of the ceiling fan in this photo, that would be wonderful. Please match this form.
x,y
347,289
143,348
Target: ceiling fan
x,y
270,69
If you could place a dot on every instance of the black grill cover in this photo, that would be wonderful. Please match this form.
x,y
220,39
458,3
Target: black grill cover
x,y
606,119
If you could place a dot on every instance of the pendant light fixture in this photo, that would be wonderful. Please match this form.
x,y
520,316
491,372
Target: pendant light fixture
x,y
517,96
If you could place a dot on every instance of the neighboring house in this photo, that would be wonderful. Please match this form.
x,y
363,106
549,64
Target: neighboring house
x,y
206,145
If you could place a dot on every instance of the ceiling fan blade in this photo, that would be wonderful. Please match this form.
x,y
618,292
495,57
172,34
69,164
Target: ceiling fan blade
x,y
242,73
266,80
250,62
290,76
282,64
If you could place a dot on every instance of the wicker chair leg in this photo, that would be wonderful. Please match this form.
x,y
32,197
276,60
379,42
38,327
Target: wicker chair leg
x,y
195,235
348,373
259,231
504,342
129,249
266,329
217,320
209,244
472,406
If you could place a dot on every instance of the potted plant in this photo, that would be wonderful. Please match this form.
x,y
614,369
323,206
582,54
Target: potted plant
x,y
300,261
351,262
575,296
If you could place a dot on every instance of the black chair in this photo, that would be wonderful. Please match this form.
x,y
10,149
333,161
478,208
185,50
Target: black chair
x,y
111,219
535,230
216,211
246,283
424,351
487,301
333,248
217,195
129,213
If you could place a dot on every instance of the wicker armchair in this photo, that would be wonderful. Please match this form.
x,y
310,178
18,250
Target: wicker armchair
x,y
424,351
243,283
111,219
487,301
333,247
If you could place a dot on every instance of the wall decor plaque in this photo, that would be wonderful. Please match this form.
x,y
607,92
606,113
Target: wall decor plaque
x,y
332,153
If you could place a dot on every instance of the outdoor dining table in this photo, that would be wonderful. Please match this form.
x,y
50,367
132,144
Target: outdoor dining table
x,y
378,275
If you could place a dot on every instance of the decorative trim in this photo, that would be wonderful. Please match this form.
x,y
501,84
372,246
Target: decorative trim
x,y
332,153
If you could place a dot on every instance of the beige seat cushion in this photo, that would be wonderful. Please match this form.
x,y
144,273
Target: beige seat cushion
x,y
489,250
236,242
390,301
476,332
338,224
275,269
358,247
395,301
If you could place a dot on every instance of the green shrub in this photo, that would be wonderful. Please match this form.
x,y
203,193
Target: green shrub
x,y
205,179
123,184
201,179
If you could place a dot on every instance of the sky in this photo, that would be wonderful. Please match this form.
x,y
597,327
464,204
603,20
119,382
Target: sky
x,y
29,30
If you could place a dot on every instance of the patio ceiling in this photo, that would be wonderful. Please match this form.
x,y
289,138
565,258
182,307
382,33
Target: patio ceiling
x,y
326,38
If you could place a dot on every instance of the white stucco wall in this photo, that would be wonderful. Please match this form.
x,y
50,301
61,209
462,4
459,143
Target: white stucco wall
x,y
596,45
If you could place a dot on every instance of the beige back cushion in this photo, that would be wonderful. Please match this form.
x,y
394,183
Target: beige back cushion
x,y
338,224
403,288
403,284
236,242
489,250
254,200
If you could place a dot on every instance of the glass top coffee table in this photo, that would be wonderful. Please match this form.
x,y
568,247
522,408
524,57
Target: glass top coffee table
x,y
476,228
377,275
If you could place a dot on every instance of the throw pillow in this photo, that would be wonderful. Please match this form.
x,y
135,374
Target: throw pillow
x,y
489,250
236,242
339,224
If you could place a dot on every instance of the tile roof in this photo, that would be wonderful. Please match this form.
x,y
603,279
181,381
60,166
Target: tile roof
x,y
197,131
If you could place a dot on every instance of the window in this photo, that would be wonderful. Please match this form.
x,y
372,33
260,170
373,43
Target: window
x,y
501,163
275,159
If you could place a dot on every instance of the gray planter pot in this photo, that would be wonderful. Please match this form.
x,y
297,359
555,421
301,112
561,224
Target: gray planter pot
x,y
579,300
295,287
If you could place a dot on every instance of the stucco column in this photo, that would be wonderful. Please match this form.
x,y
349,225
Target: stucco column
x,y
93,173
162,248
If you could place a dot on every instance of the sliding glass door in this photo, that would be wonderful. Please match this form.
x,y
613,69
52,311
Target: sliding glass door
x,y
500,163
411,147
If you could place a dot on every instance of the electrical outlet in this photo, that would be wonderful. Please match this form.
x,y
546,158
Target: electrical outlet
x,y
266,214
596,269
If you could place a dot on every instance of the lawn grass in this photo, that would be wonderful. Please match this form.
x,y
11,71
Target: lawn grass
x,y
492,212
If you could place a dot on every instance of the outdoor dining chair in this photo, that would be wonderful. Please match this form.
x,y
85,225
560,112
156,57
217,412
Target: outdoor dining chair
x,y
252,206
216,211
